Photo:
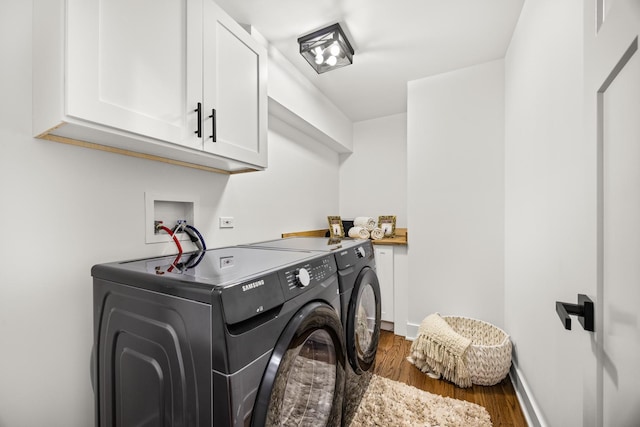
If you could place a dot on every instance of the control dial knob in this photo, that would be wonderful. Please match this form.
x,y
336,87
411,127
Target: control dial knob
x,y
360,252
303,277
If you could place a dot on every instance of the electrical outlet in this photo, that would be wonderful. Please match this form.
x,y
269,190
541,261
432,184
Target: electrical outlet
x,y
226,262
227,222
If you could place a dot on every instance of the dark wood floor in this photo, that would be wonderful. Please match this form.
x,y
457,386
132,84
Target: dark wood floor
x,y
499,400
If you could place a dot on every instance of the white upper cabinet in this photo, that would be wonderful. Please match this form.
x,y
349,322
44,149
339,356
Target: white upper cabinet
x,y
143,78
136,66
235,89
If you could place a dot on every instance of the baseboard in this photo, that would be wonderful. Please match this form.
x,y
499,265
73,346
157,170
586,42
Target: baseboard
x,y
528,404
412,331
386,326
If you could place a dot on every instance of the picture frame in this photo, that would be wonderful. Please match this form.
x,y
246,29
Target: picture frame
x,y
388,225
336,229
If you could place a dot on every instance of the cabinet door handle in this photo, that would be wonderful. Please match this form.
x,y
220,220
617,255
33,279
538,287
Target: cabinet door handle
x,y
213,124
199,111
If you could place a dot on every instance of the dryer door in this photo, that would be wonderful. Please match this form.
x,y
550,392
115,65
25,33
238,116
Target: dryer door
x,y
363,321
304,381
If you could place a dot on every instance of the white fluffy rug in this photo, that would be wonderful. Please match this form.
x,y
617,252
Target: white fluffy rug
x,y
388,403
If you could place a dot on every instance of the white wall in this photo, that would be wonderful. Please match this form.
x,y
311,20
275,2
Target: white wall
x,y
297,191
550,205
373,179
455,150
65,208
373,182
299,102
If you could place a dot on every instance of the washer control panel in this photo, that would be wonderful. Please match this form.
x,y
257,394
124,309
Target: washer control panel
x,y
303,277
351,256
311,273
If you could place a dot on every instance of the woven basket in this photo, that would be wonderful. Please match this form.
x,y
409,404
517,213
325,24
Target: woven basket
x,y
488,357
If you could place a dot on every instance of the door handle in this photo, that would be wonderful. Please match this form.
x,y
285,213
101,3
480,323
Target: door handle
x,y
198,110
213,136
584,310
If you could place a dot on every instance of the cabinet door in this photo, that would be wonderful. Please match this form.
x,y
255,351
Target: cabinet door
x,y
384,270
136,66
235,90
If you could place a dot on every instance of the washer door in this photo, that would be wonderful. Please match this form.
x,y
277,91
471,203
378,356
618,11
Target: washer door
x,y
304,381
363,321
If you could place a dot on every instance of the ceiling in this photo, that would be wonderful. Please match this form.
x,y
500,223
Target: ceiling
x,y
394,42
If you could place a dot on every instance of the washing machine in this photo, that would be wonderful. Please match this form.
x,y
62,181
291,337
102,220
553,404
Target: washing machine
x,y
359,291
228,337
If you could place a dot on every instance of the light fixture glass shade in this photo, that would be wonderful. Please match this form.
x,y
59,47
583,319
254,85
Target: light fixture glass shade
x,y
326,49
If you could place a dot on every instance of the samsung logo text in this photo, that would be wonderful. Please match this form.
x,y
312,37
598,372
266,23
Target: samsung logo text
x,y
252,285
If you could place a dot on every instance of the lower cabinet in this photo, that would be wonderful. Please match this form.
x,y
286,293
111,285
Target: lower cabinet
x,y
385,271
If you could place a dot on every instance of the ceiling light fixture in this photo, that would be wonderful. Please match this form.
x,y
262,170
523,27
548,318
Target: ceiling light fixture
x,y
326,49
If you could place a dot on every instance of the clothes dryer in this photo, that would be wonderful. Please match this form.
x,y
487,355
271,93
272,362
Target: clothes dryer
x,y
227,337
359,292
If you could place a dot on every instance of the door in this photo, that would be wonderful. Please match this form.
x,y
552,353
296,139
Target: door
x,y
303,384
235,90
363,321
136,66
385,270
612,97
